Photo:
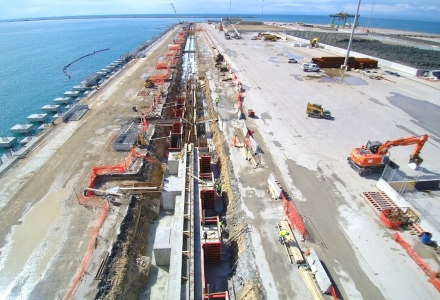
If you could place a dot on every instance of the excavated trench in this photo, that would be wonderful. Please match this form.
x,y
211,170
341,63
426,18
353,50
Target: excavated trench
x,y
126,271
127,268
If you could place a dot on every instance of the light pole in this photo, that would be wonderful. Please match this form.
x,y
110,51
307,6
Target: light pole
x,y
371,12
344,67
262,2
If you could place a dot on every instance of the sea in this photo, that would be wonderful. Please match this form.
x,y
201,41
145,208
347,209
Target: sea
x,y
33,52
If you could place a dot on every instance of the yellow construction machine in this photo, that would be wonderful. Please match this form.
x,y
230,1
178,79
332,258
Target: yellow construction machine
x,y
314,42
149,83
271,37
314,110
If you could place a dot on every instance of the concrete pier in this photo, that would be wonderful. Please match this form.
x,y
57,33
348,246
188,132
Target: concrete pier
x,y
62,100
37,117
21,128
72,94
50,108
7,141
80,88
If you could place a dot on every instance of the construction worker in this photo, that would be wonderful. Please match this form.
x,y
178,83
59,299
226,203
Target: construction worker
x,y
218,188
217,100
234,141
283,232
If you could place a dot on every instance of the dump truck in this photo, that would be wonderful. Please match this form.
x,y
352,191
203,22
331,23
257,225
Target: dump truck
x,y
317,111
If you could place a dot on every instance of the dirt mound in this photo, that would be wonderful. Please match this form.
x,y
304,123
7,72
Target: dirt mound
x,y
405,55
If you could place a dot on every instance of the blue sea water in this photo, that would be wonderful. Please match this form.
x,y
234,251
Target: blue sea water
x,y
33,53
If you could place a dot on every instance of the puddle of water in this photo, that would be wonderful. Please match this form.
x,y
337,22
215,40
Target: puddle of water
x,y
206,53
265,116
278,144
274,59
231,53
297,77
24,257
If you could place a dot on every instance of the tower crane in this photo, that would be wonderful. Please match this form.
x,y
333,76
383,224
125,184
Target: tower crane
x,y
175,13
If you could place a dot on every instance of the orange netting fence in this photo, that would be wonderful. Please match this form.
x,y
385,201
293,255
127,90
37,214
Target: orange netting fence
x,y
333,291
94,229
384,218
422,264
118,168
293,216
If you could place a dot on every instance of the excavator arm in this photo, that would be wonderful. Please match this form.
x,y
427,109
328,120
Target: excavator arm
x,y
419,140
414,158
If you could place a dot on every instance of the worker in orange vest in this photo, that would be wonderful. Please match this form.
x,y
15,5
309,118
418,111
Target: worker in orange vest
x,y
234,141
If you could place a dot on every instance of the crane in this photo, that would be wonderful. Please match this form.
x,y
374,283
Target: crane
x,y
178,19
373,157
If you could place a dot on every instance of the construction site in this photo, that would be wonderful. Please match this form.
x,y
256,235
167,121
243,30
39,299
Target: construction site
x,y
213,168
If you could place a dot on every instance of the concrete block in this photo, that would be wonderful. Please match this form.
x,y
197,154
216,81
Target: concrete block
x,y
173,167
162,246
169,199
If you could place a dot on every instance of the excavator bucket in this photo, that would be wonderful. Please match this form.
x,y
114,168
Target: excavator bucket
x,y
414,162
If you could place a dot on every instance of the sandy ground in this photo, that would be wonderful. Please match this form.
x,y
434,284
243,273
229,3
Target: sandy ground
x,y
309,157
43,229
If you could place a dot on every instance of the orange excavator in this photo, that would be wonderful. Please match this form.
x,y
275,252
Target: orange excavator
x,y
373,157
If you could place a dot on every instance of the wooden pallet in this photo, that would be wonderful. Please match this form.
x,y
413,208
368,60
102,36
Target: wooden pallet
x,y
142,93
379,201
416,228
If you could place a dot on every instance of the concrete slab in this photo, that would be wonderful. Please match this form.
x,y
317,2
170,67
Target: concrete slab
x,y
7,141
51,108
37,117
72,94
22,128
62,100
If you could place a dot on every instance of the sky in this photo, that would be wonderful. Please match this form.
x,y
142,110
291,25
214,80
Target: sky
x,y
407,9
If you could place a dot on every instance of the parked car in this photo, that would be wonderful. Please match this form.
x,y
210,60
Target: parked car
x,y
292,61
310,67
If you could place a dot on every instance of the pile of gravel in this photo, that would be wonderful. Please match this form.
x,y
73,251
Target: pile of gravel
x,y
408,56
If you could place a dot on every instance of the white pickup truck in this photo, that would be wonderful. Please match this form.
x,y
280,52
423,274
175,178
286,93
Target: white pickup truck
x,y
310,67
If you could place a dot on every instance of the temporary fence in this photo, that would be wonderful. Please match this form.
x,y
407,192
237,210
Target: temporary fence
x,y
118,168
293,216
406,189
422,264
385,219
94,229
333,291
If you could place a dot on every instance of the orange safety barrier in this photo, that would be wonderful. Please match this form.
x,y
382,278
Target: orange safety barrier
x,y
422,264
162,65
92,243
333,291
293,216
118,168
387,222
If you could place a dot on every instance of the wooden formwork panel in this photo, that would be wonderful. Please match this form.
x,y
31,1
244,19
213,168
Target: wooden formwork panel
x,y
379,201
213,253
208,199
